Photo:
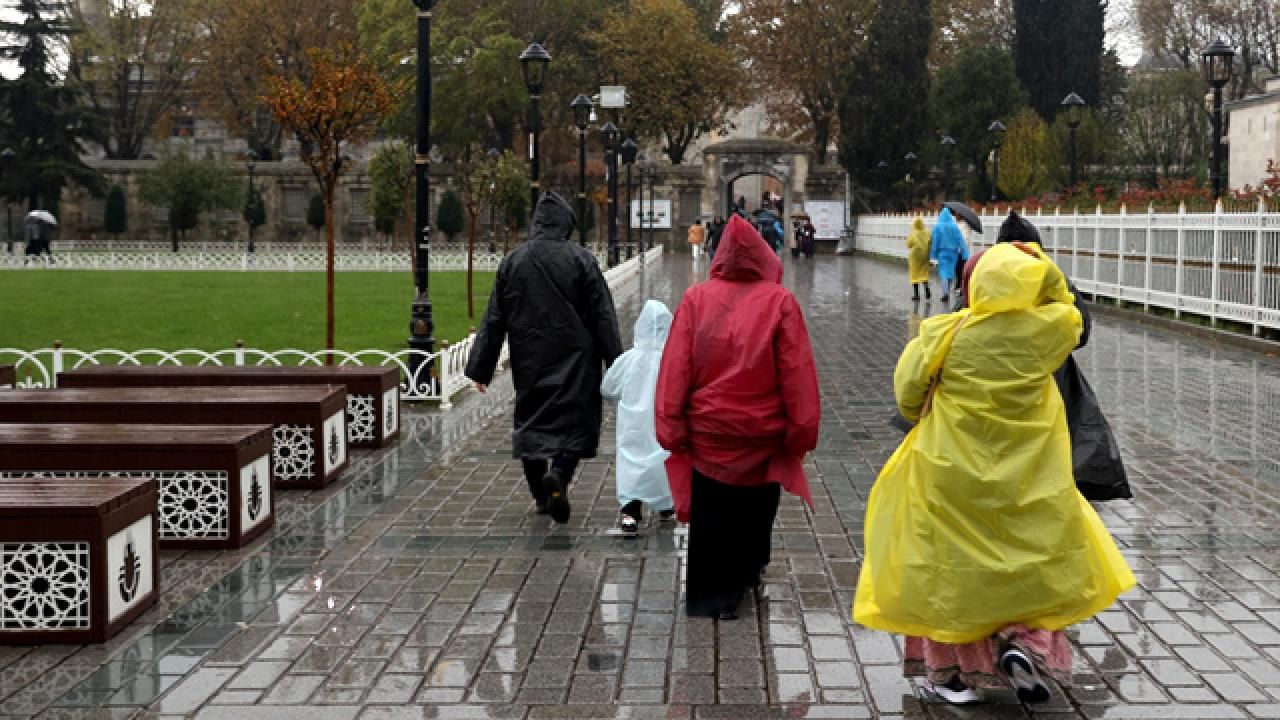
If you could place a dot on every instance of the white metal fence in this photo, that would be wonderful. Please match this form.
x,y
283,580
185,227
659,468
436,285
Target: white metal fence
x,y
40,368
1223,266
240,261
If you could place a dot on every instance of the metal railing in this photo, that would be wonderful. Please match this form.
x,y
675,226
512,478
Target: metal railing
x,y
1223,266
39,368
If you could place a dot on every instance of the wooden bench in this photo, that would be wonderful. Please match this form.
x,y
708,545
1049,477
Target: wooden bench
x,y
77,558
373,393
213,481
8,376
310,437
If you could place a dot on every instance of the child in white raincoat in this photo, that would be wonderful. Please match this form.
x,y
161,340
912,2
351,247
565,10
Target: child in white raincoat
x,y
633,380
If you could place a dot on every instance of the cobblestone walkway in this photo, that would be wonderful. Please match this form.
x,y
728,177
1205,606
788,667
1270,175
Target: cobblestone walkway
x,y
422,586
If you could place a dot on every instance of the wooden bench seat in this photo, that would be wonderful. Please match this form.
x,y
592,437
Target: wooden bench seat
x,y
309,423
373,393
8,376
77,558
213,481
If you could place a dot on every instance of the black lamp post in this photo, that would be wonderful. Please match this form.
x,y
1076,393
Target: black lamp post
x,y
629,151
1217,62
882,176
910,160
533,64
7,158
610,134
948,147
997,129
1073,106
582,108
251,161
422,323
653,215
493,156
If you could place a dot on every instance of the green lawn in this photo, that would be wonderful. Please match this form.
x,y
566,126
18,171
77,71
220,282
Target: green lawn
x,y
129,310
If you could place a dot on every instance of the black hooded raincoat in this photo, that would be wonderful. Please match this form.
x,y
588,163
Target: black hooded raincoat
x,y
551,302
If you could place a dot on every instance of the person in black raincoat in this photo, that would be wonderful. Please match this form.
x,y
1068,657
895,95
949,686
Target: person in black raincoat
x,y
551,302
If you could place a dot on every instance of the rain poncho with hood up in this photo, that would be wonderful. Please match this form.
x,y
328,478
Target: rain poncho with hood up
x,y
633,381
975,522
552,304
947,245
738,391
918,253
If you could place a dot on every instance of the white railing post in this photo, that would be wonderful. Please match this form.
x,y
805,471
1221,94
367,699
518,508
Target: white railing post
x,y
1258,247
1178,261
1097,245
442,368
1120,238
1146,270
239,354
1075,243
1214,282
57,363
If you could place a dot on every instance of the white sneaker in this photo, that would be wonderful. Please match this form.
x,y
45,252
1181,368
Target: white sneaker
x,y
1022,673
954,692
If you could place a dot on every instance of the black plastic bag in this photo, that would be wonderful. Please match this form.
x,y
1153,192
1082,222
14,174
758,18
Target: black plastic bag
x,y
1095,455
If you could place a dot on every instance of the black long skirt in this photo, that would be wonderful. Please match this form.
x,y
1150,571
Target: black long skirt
x,y
730,533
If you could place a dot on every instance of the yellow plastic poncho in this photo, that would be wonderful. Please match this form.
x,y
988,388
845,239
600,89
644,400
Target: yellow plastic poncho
x,y
975,522
918,253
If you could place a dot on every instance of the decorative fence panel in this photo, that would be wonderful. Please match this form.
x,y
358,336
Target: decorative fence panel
x,y
1224,266
40,368
311,261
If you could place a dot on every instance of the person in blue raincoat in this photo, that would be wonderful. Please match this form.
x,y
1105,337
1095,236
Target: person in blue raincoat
x,y
947,247
633,381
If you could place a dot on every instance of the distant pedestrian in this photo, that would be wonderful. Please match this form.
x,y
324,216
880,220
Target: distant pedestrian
x,y
947,247
551,303
979,548
796,240
696,236
738,407
713,236
633,381
809,239
918,259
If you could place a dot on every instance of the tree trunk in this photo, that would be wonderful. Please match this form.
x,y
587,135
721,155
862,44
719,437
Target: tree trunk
x,y
821,137
471,257
328,270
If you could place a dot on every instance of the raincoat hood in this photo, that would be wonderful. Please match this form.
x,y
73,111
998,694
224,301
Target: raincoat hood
x,y
946,221
743,256
652,326
553,219
1016,277
918,224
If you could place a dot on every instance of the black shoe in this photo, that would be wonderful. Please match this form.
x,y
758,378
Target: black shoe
x,y
668,515
954,692
628,525
946,298
557,496
928,295
1022,674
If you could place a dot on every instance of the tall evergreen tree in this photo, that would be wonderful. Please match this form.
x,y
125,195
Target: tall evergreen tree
x,y
1057,49
884,107
44,121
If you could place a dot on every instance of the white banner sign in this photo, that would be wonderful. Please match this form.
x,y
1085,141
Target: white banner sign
x,y
661,210
827,217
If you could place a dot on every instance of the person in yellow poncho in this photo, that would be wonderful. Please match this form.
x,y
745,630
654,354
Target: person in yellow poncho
x,y
918,259
979,548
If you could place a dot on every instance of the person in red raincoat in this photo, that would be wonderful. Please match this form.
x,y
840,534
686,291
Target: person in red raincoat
x,y
737,406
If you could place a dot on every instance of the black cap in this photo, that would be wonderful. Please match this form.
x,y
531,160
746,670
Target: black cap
x,y
1016,229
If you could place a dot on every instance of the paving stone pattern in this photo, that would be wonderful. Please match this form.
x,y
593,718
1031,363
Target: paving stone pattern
x,y
422,586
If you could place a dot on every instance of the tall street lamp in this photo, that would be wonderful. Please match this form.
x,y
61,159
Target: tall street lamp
x,y
948,147
422,323
1217,62
996,129
533,64
610,134
582,111
493,156
910,160
1073,106
7,158
251,161
629,151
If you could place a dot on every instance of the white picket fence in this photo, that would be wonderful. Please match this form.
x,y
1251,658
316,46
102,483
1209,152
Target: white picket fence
x,y
1223,266
39,368
240,261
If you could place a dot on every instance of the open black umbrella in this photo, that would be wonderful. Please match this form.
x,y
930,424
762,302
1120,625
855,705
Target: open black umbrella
x,y
966,213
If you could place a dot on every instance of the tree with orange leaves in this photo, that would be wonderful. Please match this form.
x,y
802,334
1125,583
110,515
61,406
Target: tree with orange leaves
x,y
343,103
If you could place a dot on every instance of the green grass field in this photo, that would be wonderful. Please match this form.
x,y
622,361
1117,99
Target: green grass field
x,y
89,310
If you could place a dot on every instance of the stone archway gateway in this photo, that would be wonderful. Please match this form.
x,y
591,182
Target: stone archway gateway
x,y
725,162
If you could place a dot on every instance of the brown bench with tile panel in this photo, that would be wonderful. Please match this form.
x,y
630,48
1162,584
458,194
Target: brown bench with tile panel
x,y
309,423
213,482
373,393
8,376
77,558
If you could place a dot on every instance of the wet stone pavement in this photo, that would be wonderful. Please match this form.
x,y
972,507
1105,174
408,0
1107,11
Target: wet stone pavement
x,y
422,586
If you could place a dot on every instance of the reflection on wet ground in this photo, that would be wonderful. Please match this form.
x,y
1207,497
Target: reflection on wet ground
x,y
422,586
